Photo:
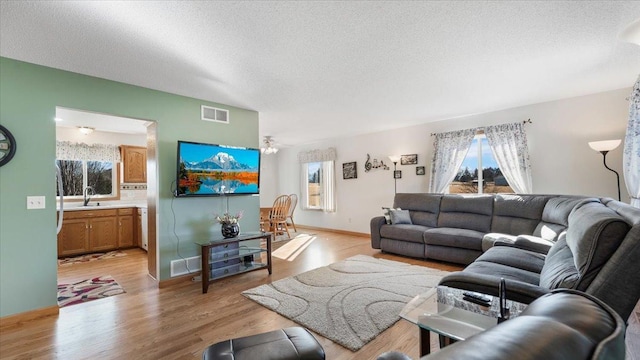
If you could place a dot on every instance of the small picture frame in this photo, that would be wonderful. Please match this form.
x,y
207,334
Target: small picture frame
x,y
419,170
411,159
397,174
350,170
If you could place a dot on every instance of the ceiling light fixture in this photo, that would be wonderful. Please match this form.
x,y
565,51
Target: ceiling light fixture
x,y
269,148
86,130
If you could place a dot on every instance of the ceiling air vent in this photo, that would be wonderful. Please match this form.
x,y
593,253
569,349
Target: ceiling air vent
x,y
209,113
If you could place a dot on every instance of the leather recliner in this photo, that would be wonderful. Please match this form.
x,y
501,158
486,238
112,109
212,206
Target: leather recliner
x,y
564,324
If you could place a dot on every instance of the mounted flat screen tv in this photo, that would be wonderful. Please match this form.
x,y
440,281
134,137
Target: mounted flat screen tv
x,y
212,170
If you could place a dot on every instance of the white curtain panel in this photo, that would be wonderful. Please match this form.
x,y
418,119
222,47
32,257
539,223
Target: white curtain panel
x,y
508,143
631,161
450,149
304,186
66,150
328,187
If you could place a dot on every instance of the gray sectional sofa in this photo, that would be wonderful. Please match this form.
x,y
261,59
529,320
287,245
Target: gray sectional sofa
x,y
459,228
535,242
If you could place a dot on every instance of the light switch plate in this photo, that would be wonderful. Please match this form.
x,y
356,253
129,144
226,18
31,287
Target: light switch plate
x,y
35,202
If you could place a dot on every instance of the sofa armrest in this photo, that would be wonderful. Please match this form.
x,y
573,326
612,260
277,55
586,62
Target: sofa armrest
x,y
529,243
489,284
376,224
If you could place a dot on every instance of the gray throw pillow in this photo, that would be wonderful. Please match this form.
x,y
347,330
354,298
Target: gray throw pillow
x,y
399,216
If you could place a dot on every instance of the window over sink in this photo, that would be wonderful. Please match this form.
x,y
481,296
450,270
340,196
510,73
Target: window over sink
x,y
102,176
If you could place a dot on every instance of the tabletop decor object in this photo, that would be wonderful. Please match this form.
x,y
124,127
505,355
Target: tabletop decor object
x,y
229,224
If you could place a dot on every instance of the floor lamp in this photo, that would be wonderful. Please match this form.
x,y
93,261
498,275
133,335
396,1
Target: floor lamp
x,y
394,159
604,147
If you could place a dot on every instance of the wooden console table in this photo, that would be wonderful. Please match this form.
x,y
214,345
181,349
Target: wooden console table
x,y
222,257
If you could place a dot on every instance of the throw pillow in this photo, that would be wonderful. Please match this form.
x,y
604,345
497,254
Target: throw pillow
x,y
399,216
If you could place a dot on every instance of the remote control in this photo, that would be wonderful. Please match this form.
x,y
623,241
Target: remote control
x,y
476,301
477,296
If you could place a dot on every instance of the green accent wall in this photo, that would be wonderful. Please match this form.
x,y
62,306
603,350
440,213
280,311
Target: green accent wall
x,y
29,95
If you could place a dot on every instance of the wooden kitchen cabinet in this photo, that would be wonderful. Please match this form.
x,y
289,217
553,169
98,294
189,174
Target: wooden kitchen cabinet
x,y
87,231
103,232
134,160
125,228
73,239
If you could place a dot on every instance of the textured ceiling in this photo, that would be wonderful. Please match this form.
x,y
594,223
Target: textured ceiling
x,y
317,70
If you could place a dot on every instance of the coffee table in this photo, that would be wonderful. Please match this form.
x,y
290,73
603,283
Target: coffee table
x,y
442,311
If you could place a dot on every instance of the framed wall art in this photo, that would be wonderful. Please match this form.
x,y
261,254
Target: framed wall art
x,y
350,170
411,159
419,170
397,174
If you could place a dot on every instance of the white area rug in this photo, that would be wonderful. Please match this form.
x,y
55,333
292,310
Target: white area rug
x,y
349,302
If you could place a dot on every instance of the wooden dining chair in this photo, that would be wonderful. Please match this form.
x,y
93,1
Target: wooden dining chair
x,y
278,215
294,202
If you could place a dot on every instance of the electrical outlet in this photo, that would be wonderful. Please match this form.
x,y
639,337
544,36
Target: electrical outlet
x,y
35,202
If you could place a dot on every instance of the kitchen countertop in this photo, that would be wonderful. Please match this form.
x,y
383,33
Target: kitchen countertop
x,y
75,206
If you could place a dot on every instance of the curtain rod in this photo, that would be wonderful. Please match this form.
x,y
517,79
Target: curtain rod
x,y
528,121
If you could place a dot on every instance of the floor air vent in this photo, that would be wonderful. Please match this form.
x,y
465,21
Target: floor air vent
x,y
186,266
209,113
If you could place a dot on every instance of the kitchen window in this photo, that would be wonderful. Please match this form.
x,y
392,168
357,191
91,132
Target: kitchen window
x,y
101,176
82,165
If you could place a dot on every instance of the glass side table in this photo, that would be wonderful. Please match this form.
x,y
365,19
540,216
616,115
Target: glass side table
x,y
442,311
222,257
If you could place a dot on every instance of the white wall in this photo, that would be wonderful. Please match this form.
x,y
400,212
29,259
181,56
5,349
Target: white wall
x,y
268,179
562,162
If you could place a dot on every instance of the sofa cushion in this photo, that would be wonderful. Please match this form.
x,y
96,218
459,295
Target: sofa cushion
x,y
453,237
399,216
533,243
503,271
559,270
517,214
514,257
424,208
405,232
595,232
490,239
466,212
555,217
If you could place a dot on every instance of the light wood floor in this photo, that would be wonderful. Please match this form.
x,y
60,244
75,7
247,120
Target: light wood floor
x,y
178,322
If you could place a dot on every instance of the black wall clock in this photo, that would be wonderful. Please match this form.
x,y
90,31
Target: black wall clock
x,y
7,145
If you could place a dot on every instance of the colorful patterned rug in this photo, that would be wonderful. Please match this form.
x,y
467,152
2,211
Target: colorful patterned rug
x,y
87,290
90,257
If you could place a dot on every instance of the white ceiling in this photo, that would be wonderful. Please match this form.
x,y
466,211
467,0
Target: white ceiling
x,y
317,70
100,122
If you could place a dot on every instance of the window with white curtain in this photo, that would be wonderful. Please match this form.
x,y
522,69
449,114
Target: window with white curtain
x,y
479,172
318,180
82,165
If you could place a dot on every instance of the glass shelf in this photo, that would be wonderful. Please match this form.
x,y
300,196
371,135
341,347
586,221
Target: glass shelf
x,y
223,257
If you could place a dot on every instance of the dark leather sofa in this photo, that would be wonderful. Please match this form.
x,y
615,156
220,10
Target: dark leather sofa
x,y
537,243
562,325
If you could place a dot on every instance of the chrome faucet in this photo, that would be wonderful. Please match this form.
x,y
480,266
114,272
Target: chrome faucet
x,y
87,198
